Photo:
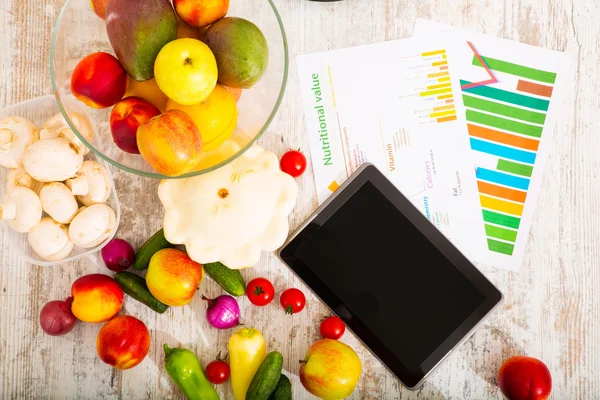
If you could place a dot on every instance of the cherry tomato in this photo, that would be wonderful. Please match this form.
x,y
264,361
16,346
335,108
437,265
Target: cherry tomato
x,y
217,371
332,328
293,163
292,300
260,291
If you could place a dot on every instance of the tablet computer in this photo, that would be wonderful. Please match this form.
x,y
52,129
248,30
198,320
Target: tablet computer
x,y
404,290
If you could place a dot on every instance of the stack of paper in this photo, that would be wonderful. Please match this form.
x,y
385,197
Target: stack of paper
x,y
460,122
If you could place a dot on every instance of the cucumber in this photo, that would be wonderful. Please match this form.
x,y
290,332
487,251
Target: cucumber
x,y
135,286
283,390
266,378
229,279
144,254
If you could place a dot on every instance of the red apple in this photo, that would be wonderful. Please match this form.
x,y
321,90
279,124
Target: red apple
x,y
524,378
331,369
123,342
125,119
96,298
99,80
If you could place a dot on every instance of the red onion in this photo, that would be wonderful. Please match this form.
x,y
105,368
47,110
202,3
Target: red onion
x,y
118,255
56,318
222,312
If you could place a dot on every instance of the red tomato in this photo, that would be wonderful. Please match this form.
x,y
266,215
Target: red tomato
x,y
260,291
332,328
292,300
293,163
217,371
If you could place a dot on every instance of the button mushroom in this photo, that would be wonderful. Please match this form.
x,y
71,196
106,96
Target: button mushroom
x,y
58,202
20,177
92,184
52,160
16,134
50,240
92,225
22,209
57,127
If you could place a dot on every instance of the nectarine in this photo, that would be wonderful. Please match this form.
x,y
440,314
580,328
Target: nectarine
x,y
126,117
99,80
524,378
123,342
201,13
96,298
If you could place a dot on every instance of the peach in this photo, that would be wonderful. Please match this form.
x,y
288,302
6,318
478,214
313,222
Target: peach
x,y
123,342
170,143
99,7
96,298
524,378
99,80
199,13
173,277
126,117
147,90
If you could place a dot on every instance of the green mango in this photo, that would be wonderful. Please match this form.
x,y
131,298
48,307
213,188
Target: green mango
x,y
137,30
240,49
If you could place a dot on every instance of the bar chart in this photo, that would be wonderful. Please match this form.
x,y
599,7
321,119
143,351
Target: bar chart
x,y
505,123
434,88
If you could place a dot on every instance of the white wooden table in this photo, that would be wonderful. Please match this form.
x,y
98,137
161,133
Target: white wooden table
x,y
552,306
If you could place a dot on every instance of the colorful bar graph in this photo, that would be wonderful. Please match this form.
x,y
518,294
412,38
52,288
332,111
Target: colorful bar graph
x,y
440,85
445,96
445,79
501,219
442,113
434,92
508,97
444,67
501,233
438,63
534,88
502,151
440,108
446,119
504,110
502,178
517,70
503,123
504,138
504,206
436,74
501,247
433,53
514,168
499,191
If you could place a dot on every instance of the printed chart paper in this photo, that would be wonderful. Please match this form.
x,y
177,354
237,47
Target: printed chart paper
x,y
394,104
509,125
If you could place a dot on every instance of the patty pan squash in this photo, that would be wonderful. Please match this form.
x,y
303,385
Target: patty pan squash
x,y
233,213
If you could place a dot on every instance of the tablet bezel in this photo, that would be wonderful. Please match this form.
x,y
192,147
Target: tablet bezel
x,y
412,379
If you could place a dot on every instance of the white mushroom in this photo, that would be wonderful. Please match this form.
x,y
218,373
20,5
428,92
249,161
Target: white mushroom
x,y
20,177
22,209
92,184
50,240
16,134
58,202
57,127
52,160
92,225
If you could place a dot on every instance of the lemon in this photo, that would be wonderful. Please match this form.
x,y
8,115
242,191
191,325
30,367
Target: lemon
x,y
215,117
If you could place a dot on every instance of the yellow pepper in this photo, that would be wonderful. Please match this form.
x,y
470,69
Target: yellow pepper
x,y
247,351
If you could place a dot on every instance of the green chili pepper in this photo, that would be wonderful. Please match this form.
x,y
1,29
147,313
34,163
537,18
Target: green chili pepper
x,y
185,370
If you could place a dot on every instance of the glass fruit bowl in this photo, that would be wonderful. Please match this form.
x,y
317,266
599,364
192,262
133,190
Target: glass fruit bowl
x,y
38,111
80,32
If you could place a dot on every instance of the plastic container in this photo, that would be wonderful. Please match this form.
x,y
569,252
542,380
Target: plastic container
x,y
79,32
39,110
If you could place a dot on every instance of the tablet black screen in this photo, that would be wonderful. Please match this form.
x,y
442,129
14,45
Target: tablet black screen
x,y
389,275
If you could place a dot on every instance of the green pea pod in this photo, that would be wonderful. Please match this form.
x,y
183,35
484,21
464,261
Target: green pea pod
x,y
185,370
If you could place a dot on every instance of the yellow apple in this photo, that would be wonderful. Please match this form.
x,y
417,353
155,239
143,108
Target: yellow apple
x,y
331,370
186,71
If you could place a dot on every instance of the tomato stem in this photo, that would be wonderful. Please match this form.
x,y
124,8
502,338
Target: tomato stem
x,y
289,310
258,290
